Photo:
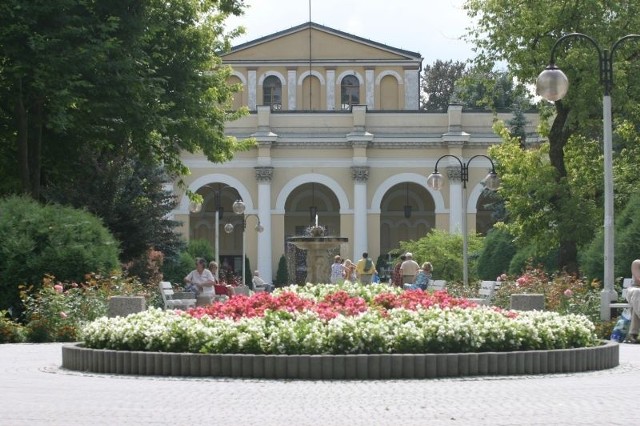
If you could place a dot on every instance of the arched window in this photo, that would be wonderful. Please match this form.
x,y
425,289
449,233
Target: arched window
x,y
272,92
349,92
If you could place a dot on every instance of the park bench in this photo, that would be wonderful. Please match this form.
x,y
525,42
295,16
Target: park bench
x,y
486,292
626,283
436,285
172,302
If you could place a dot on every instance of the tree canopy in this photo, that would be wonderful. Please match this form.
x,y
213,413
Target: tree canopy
x,y
522,37
143,75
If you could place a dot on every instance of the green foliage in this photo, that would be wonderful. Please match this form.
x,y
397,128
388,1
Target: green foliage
x,y
36,240
439,82
178,266
564,208
11,331
282,274
444,251
564,293
112,75
492,90
626,246
496,254
527,256
200,248
55,311
129,196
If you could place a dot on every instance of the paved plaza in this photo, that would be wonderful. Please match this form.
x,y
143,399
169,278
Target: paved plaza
x,y
34,390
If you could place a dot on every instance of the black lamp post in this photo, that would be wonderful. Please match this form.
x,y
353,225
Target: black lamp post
x,y
491,181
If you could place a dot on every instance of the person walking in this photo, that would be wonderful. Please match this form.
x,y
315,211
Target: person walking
x,y
365,269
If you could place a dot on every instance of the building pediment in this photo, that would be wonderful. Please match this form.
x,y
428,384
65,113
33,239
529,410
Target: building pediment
x,y
321,44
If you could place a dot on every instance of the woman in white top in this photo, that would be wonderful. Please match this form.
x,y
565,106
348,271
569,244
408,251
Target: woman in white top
x,y
201,279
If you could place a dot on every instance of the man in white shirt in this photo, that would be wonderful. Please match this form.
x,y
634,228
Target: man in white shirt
x,y
409,269
259,284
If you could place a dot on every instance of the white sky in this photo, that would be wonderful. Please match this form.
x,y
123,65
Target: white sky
x,y
430,27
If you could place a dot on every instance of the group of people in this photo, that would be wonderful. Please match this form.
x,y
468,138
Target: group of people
x,y
411,276
204,282
364,271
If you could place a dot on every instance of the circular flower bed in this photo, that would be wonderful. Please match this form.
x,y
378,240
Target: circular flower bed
x,y
341,319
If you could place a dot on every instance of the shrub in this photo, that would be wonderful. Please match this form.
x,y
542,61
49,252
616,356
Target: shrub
x,y
496,254
37,239
10,331
627,244
444,251
55,311
282,274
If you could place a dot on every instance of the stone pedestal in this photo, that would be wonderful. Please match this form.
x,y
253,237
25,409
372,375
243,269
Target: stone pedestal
x,y
121,306
527,302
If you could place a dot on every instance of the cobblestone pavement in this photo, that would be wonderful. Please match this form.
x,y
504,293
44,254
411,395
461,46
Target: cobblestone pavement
x,y
34,390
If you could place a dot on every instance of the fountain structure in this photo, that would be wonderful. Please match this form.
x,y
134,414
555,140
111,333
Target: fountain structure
x,y
317,247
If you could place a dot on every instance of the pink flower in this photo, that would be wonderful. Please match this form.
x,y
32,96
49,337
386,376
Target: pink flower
x,y
58,288
568,292
63,315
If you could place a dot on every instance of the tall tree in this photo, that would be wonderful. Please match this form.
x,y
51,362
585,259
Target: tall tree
x,y
523,37
143,75
438,84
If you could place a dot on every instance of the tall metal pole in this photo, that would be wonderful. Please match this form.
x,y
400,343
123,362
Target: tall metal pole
x,y
217,239
608,294
465,238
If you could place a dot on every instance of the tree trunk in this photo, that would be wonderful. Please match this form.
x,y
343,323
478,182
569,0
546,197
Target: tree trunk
x,y
558,137
35,147
23,141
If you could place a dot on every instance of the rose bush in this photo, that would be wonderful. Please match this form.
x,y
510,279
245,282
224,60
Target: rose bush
x,y
340,319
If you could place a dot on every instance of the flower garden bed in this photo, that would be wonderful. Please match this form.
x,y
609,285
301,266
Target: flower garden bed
x,y
341,332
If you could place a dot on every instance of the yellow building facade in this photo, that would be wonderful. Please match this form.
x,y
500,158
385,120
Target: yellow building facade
x,y
339,135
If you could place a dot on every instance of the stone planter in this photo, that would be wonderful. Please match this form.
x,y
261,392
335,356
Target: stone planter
x,y
121,306
527,302
341,367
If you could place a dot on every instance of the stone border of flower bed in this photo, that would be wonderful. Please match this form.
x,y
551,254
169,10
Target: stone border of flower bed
x,y
341,367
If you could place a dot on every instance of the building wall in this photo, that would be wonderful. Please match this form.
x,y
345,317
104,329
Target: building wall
x,y
360,166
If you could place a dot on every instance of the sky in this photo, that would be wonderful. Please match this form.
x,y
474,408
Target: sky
x,y
430,27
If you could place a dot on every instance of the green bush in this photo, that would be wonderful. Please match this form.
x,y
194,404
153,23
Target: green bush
x,y
55,311
526,256
627,244
282,274
444,251
176,268
37,239
10,331
496,254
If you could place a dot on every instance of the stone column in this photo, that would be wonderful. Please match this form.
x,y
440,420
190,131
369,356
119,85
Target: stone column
x,y
370,85
252,88
265,261
292,85
411,89
360,175
331,90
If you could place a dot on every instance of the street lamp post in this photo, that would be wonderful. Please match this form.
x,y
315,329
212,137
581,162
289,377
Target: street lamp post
x,y
553,84
196,207
491,181
239,208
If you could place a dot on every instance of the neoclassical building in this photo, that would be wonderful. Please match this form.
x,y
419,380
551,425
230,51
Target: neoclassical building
x,y
339,135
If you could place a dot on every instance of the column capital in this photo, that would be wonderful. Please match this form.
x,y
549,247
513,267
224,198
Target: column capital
x,y
264,173
454,173
360,173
